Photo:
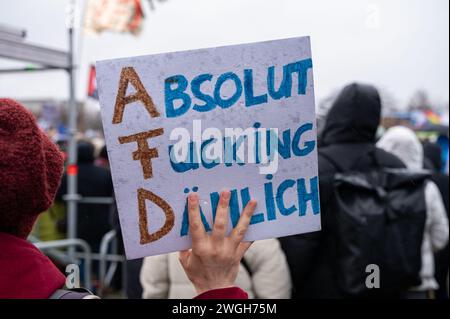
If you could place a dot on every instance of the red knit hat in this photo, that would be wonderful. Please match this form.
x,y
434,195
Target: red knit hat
x,y
30,169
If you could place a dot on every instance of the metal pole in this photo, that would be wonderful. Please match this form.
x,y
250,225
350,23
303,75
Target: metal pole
x,y
72,189
104,245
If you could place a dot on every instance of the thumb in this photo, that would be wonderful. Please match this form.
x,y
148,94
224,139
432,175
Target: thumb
x,y
243,247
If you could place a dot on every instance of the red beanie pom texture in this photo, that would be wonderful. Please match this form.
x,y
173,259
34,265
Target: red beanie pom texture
x,y
31,167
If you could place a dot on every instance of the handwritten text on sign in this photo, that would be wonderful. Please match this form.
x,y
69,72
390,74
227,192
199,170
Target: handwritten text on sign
x,y
238,117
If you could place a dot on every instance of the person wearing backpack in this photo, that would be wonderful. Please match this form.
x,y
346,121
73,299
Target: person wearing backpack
x,y
31,168
404,143
263,274
433,161
348,139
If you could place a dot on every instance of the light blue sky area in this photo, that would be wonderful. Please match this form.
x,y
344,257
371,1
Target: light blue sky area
x,y
399,45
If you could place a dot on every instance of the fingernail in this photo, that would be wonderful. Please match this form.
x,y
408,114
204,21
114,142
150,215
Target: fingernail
x,y
193,199
226,194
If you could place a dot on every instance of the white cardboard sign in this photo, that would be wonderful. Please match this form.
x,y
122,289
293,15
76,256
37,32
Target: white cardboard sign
x,y
238,117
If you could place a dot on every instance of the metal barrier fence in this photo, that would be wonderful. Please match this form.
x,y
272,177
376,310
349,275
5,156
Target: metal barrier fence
x,y
65,243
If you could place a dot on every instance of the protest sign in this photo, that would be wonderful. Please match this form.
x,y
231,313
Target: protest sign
x,y
238,117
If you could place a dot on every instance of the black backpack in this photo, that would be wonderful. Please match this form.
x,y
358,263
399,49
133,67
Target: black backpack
x,y
380,219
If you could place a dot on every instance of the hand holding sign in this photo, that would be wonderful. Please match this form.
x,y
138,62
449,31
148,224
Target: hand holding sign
x,y
213,262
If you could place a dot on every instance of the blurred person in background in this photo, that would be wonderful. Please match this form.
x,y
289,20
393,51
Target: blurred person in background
x,y
49,225
404,143
263,273
348,140
433,161
93,220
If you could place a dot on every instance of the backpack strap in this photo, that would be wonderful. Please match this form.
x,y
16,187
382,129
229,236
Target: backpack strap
x,y
76,293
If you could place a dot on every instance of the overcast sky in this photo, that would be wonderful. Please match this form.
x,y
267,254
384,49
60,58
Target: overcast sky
x,y
398,45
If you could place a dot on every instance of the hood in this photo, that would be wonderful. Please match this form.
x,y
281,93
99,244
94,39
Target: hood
x,y
354,116
433,153
403,143
26,273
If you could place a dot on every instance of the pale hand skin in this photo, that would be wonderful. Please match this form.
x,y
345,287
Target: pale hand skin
x,y
213,262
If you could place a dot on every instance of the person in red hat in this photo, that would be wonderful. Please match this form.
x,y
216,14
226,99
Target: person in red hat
x,y
31,168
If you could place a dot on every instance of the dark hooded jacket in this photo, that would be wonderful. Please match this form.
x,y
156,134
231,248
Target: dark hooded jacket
x,y
93,220
348,136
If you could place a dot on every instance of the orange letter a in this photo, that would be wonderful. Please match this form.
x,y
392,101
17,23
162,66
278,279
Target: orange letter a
x,y
128,75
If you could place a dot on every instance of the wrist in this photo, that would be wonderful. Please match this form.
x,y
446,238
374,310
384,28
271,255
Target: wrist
x,y
200,289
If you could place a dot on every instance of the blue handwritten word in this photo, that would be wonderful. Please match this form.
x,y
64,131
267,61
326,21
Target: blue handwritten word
x,y
274,204
177,85
287,146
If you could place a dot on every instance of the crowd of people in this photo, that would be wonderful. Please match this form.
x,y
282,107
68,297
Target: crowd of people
x,y
413,256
